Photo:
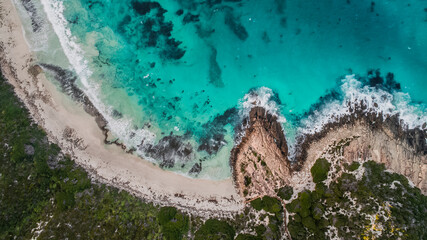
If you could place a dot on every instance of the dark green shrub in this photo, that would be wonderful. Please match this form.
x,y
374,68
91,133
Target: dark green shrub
x,y
260,230
317,211
305,198
216,230
297,231
173,223
309,223
320,170
257,204
272,205
354,166
320,189
166,214
247,181
293,206
285,192
64,200
269,204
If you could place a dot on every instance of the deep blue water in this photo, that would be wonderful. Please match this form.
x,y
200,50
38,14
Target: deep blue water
x,y
175,77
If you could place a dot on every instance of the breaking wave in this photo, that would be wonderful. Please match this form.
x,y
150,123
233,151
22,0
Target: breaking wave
x,y
352,94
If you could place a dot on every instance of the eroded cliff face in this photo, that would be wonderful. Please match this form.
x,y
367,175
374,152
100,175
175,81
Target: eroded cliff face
x,y
379,145
260,162
261,165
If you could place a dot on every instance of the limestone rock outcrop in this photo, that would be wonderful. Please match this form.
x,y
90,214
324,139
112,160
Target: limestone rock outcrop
x,y
261,166
260,161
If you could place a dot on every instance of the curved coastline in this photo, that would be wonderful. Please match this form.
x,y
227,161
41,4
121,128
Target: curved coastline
x,y
76,131
80,131
370,136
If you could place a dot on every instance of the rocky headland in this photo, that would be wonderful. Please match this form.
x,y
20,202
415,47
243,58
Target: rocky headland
x,y
261,164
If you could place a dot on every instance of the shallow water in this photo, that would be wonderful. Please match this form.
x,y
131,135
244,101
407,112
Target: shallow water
x,y
174,78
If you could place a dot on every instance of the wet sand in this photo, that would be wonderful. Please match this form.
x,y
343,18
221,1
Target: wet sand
x,y
76,132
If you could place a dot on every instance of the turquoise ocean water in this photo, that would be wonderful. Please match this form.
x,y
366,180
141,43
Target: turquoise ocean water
x,y
174,78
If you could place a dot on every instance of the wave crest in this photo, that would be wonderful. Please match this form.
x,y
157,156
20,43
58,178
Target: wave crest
x,y
355,95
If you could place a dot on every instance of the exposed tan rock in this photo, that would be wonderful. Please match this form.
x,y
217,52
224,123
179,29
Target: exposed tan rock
x,y
379,145
262,154
260,161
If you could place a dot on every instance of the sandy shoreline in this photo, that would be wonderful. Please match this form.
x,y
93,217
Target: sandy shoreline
x,y
77,133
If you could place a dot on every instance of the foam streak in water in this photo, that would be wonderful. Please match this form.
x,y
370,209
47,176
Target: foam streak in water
x,y
75,55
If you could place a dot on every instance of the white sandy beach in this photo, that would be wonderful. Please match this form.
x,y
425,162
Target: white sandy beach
x,y
77,133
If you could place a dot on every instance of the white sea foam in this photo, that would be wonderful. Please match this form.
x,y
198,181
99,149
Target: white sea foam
x,y
37,40
352,91
119,127
377,100
261,97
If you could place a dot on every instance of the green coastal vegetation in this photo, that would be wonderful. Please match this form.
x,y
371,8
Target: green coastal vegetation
x,y
40,187
43,189
380,205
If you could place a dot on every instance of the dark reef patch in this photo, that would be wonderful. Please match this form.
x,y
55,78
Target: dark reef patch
x,y
147,28
280,6
172,50
196,169
375,79
214,70
179,12
213,139
188,18
284,22
235,26
143,8
212,143
117,114
169,150
66,79
36,21
212,3
67,82
265,37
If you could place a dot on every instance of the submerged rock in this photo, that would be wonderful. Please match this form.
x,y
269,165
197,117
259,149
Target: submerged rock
x,y
280,6
36,20
214,140
215,71
196,169
143,8
188,18
170,150
235,26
